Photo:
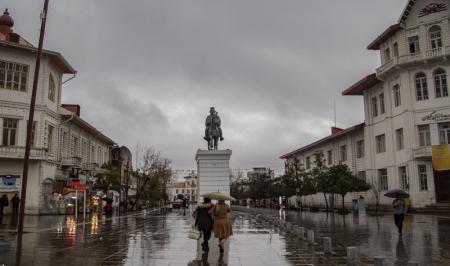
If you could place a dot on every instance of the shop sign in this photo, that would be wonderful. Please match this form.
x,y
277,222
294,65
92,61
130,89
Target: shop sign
x,y
9,180
432,8
436,116
441,157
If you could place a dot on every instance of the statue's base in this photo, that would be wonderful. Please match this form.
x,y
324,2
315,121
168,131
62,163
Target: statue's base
x,y
213,169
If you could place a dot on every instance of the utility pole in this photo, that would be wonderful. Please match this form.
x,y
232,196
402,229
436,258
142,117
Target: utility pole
x,y
26,160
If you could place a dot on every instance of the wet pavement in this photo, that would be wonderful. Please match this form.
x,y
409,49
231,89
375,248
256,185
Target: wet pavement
x,y
425,239
159,238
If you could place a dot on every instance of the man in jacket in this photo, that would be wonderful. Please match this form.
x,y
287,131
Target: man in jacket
x,y
204,221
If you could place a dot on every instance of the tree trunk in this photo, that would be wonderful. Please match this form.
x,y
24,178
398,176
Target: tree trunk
x,y
326,201
343,203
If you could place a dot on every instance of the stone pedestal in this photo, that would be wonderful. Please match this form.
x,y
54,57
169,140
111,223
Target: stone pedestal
x,y
213,169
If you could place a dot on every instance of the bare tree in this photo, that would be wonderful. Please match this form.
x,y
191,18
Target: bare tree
x,y
156,174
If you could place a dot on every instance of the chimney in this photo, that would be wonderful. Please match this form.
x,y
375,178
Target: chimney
x,y
74,108
335,130
6,23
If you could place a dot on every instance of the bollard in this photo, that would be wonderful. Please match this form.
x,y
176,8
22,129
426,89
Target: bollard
x,y
327,248
310,235
352,256
413,263
378,261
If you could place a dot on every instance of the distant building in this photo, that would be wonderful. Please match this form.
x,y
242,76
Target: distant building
x,y
176,188
343,146
259,172
122,160
191,183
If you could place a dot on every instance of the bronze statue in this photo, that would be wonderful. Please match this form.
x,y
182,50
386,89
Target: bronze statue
x,y
213,132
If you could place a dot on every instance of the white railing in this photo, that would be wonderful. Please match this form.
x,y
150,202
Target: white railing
x,y
411,58
71,161
422,152
16,152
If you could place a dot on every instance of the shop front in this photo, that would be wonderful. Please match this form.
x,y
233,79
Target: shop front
x,y
441,166
9,186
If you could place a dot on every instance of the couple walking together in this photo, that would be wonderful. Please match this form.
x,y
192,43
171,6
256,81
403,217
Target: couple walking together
x,y
210,217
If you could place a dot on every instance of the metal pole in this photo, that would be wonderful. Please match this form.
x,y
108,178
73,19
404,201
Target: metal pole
x,y
84,206
26,159
76,204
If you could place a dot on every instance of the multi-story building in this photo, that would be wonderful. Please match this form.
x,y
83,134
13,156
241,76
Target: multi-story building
x,y
176,188
191,182
407,104
63,145
258,172
343,146
122,160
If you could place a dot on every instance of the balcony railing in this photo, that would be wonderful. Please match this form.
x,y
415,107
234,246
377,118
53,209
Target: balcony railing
x,y
91,166
413,58
16,152
72,161
422,152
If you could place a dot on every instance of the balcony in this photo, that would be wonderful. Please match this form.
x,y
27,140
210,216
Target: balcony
x,y
74,161
91,166
410,59
422,153
16,152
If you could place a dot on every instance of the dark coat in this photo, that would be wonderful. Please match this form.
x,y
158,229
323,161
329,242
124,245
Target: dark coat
x,y
203,219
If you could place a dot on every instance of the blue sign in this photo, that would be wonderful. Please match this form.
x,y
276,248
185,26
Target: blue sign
x,y
9,180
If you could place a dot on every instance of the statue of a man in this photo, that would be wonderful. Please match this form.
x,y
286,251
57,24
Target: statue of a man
x,y
212,122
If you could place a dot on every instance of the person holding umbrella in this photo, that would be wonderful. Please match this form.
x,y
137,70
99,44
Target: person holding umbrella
x,y
222,225
204,221
399,205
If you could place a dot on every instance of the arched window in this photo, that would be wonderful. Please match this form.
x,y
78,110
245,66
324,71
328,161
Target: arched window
x,y
435,37
421,87
440,83
51,88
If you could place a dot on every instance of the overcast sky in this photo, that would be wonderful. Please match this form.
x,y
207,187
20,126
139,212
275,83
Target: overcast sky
x,y
148,71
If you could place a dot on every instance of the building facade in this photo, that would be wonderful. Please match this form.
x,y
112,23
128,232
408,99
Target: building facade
x,y
407,104
406,107
64,147
343,146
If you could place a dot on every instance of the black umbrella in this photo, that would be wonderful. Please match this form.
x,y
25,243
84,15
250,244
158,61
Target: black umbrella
x,y
397,193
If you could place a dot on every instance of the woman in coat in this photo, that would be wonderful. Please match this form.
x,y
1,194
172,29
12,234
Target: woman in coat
x,y
222,225
204,221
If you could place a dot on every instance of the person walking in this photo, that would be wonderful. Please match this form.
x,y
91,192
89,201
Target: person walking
x,y
222,225
204,221
4,202
399,213
15,203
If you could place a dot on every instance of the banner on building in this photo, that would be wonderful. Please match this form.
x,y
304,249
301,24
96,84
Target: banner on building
x,y
441,157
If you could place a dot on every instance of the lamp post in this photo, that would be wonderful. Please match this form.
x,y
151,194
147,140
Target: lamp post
x,y
31,118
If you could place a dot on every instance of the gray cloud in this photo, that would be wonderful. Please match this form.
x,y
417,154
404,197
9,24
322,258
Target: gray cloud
x,y
149,70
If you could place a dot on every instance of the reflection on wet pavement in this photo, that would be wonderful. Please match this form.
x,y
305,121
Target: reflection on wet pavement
x,y
425,238
159,238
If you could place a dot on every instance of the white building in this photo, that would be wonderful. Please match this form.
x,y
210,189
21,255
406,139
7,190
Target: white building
x,y
407,105
176,188
63,145
343,146
191,182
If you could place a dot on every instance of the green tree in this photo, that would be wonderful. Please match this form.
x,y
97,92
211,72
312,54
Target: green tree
x,y
107,179
346,182
325,181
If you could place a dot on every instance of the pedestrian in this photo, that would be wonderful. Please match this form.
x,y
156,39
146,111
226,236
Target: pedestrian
x,y
4,202
204,221
222,225
399,213
15,203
